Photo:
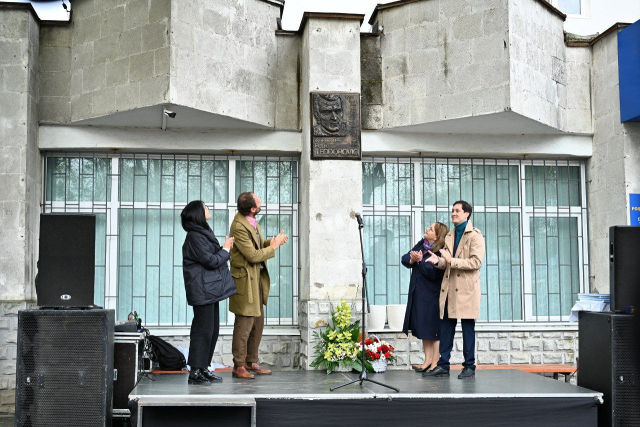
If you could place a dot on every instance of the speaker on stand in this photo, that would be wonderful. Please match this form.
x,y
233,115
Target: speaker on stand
x,y
64,369
66,263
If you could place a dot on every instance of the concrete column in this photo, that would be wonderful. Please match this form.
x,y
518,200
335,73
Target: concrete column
x,y
613,169
20,182
20,165
330,190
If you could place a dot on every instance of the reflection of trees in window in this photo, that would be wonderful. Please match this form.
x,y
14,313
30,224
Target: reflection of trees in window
x,y
521,207
137,200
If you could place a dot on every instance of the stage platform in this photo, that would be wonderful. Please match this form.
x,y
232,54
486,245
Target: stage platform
x,y
302,398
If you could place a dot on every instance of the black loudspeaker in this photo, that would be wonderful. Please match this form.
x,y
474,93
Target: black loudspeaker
x,y
66,264
64,371
624,267
608,363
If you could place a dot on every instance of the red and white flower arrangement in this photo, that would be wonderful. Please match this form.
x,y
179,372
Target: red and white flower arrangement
x,y
377,350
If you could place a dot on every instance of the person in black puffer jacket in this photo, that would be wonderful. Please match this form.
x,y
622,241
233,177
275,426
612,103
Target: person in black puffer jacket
x,y
207,282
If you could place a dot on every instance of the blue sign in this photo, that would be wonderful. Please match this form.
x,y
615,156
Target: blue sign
x,y
629,73
634,206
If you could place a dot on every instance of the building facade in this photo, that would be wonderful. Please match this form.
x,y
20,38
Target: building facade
x,y
488,101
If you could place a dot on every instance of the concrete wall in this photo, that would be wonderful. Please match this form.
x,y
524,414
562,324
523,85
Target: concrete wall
x,y
331,189
538,71
113,57
288,83
20,175
371,82
444,59
280,352
220,57
249,141
8,352
224,56
450,59
20,183
395,143
493,347
497,348
613,169
578,89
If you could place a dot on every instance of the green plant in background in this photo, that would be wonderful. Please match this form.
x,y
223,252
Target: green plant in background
x,y
338,344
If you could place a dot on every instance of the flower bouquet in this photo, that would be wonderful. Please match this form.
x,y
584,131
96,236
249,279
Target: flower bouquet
x,y
378,353
338,344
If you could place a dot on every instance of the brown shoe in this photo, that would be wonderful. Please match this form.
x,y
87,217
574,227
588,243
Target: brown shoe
x,y
242,373
254,367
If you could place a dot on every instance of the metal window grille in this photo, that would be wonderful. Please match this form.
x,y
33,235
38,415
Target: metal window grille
x,y
533,215
137,200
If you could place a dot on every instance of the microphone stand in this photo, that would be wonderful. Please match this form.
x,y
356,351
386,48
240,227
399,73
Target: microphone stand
x,y
365,300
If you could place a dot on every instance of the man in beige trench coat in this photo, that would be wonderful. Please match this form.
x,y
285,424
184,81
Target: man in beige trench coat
x,y
460,293
249,271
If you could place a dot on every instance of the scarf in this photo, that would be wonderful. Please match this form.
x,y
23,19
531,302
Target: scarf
x,y
459,232
253,221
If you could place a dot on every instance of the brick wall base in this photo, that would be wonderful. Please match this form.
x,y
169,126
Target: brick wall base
x,y
279,352
8,352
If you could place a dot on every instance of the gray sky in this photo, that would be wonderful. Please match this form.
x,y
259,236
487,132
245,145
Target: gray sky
x,y
294,9
52,9
48,10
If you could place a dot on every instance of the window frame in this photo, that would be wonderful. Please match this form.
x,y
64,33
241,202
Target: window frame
x,y
114,205
585,9
525,212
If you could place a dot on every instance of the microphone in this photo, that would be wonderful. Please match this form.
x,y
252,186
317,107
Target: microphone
x,y
359,218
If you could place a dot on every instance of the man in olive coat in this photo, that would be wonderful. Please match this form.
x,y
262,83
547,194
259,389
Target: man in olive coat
x,y
249,271
460,293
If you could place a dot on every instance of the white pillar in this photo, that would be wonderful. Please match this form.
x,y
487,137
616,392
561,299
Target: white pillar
x,y
330,190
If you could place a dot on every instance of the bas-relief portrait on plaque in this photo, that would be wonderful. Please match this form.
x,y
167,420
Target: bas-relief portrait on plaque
x,y
335,126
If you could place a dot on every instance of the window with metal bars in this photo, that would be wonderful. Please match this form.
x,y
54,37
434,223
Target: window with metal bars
x,y
532,213
137,200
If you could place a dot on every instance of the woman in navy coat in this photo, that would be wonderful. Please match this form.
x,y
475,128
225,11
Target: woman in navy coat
x,y
422,317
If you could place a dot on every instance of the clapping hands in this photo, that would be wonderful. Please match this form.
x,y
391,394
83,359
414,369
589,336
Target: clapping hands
x,y
228,242
433,258
415,256
278,240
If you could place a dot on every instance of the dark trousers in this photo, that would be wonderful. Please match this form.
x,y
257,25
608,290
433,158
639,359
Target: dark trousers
x,y
205,327
448,332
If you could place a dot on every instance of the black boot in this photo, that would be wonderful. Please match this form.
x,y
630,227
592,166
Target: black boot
x,y
467,373
211,376
439,371
197,377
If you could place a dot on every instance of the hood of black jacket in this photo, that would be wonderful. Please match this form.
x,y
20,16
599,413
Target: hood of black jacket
x,y
192,226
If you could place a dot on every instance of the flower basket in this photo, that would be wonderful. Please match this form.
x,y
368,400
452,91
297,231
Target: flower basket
x,y
337,348
379,365
378,353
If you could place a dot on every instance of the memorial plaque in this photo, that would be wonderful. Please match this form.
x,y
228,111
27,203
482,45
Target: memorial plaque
x,y
335,126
